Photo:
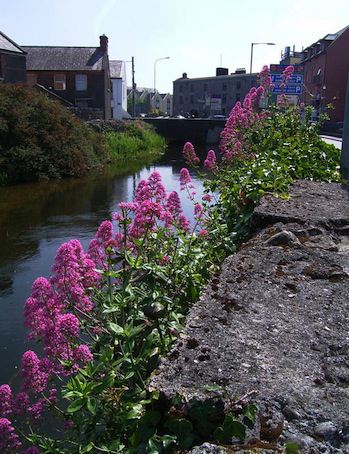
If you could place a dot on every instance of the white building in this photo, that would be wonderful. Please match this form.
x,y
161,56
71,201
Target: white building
x,y
162,102
119,88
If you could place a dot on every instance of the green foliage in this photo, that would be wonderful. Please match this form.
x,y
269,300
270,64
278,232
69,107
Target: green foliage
x,y
282,147
40,139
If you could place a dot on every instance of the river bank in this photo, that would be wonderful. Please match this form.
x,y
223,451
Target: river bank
x,y
40,140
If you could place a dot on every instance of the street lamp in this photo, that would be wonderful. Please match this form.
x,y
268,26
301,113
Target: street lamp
x,y
158,59
255,44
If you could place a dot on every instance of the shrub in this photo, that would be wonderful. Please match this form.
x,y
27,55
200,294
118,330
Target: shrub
x,y
40,139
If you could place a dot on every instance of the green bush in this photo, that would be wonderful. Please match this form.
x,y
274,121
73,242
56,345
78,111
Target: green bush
x,y
40,139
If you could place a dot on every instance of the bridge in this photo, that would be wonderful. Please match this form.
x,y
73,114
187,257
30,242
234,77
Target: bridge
x,y
196,130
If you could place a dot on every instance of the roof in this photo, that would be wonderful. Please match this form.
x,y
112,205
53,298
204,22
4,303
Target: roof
x,y
8,45
330,37
53,58
115,69
227,76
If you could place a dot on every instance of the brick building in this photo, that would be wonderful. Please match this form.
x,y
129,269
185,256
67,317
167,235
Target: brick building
x,y
79,75
326,68
209,96
12,61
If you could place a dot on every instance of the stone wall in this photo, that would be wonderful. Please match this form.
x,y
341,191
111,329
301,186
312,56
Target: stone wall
x,y
274,326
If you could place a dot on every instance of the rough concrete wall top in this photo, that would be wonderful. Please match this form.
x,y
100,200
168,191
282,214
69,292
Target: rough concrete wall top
x,y
276,320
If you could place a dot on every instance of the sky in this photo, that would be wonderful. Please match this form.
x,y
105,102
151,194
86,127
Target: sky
x,y
197,35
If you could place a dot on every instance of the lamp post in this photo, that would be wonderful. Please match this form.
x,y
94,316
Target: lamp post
x,y
158,59
256,44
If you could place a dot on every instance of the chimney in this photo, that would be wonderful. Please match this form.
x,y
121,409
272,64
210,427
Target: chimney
x,y
185,76
103,43
222,71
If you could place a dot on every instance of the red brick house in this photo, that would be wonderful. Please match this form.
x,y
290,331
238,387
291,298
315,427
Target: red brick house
x,y
79,75
326,68
12,61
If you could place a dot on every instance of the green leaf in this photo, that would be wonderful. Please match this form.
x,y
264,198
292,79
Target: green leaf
x,y
249,411
183,430
230,429
76,405
116,329
291,448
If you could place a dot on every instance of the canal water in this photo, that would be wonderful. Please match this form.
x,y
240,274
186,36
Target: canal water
x,y
36,218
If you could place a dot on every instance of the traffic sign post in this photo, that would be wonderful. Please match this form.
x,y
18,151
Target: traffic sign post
x,y
293,86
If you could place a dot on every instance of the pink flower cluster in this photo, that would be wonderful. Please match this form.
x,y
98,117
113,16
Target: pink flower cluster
x,y
240,119
189,155
286,75
211,161
264,80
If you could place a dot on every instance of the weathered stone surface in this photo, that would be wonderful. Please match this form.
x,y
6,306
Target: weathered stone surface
x,y
275,322
310,202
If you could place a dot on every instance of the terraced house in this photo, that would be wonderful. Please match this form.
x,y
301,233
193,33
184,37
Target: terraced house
x,y
12,61
79,76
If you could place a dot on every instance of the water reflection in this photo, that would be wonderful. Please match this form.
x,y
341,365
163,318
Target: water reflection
x,y
35,219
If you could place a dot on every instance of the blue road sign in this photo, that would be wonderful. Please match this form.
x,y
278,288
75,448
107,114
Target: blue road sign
x,y
294,79
288,90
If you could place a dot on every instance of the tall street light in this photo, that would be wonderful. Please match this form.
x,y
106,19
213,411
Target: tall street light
x,y
158,59
256,44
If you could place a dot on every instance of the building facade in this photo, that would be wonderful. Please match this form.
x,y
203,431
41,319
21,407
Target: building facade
x,y
12,61
209,96
326,68
79,75
119,89
162,103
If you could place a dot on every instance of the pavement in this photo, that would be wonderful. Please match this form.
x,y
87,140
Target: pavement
x,y
336,141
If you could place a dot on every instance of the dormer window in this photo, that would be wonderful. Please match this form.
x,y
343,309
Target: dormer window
x,y
59,82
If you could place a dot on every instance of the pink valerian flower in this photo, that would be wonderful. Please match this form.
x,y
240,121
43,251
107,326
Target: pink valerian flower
x,y
32,450
5,400
128,206
35,373
9,440
20,403
203,233
69,424
184,178
143,192
52,397
207,197
302,105
287,74
198,211
265,79
157,189
68,326
183,223
167,217
190,155
35,410
211,160
83,354
173,204
165,260
105,233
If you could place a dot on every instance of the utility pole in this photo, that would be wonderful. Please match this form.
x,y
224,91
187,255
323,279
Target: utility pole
x,y
133,88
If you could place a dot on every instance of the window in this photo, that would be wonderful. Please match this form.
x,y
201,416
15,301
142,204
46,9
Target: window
x,y
238,85
81,103
59,82
237,97
191,87
32,79
80,82
224,99
205,87
180,88
224,86
191,99
181,100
